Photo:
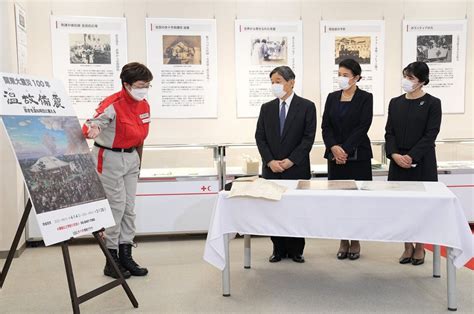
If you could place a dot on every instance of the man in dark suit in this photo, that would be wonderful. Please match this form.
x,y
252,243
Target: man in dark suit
x,y
285,135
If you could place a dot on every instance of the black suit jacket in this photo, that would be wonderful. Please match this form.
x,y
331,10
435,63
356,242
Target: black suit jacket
x,y
412,127
350,131
296,141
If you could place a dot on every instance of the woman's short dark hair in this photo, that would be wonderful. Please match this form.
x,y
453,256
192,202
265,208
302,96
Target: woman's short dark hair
x,y
135,71
285,71
353,66
418,69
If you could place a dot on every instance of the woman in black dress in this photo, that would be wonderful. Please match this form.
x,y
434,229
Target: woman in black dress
x,y
414,120
346,120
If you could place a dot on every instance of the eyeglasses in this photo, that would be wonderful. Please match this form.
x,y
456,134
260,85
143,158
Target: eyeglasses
x,y
143,86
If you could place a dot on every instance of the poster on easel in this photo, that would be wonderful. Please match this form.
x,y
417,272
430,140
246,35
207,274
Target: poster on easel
x,y
442,45
362,41
88,56
66,192
21,39
182,55
261,46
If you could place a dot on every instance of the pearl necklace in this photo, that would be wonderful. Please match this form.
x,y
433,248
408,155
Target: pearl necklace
x,y
347,97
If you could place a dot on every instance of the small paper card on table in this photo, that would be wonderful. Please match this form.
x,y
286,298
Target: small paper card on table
x,y
393,186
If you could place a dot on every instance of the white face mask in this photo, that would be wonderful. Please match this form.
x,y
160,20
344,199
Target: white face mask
x,y
138,93
278,91
408,86
343,82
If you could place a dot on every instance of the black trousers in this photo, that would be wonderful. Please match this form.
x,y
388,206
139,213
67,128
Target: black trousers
x,y
284,246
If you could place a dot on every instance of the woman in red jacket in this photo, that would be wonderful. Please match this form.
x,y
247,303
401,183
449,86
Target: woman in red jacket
x,y
119,128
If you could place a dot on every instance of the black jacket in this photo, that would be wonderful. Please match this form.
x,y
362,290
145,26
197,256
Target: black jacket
x,y
350,131
296,141
412,127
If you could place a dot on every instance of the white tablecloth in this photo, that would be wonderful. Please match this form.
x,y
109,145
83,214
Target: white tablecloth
x,y
433,216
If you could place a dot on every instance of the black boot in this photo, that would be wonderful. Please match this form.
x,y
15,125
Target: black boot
x,y
109,270
125,256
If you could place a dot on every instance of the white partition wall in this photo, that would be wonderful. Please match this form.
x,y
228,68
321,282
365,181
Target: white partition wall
x,y
11,185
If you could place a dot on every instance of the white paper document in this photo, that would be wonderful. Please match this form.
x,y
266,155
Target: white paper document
x,y
259,188
442,45
261,46
182,54
88,55
363,41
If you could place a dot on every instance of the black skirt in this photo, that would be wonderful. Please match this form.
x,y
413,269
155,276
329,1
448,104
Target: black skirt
x,y
351,170
425,170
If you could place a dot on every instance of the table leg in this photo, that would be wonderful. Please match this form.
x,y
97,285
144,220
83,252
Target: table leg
x,y
451,270
247,254
436,261
226,271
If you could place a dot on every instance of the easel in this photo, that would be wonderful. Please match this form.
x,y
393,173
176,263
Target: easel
x,y
75,299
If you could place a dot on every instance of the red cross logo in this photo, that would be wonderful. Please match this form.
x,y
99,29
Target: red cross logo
x,y
206,188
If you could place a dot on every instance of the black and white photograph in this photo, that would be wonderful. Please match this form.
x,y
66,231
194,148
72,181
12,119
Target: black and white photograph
x,y
182,50
356,47
269,51
55,161
434,48
89,49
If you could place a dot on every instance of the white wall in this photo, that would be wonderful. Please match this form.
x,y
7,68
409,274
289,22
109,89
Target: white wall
x,y
11,182
227,128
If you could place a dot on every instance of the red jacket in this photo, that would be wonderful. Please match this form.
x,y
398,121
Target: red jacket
x,y
122,120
